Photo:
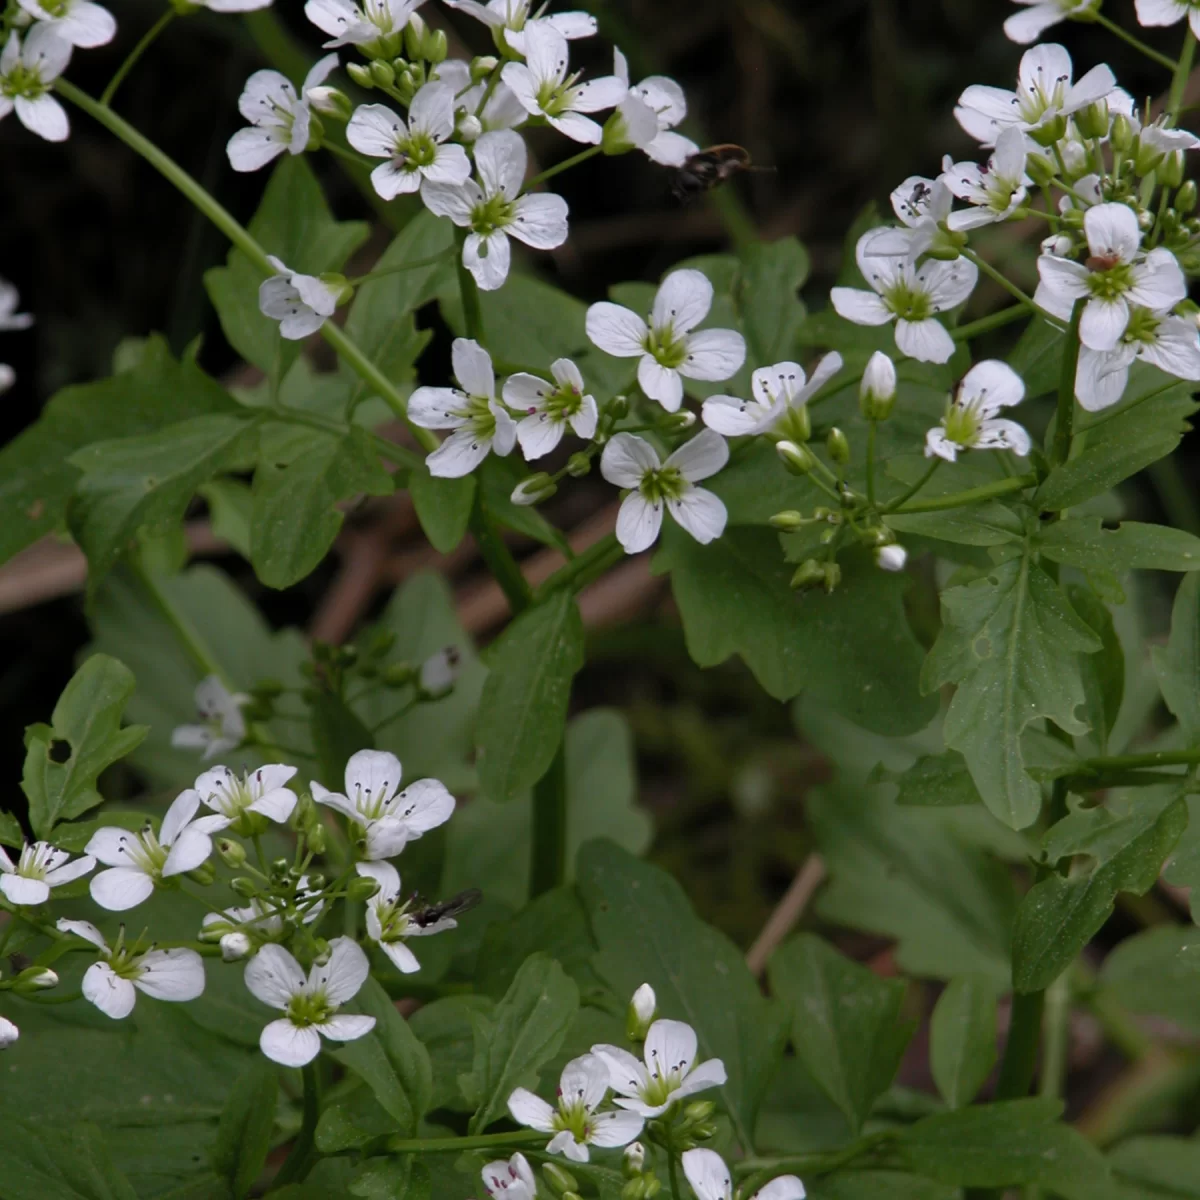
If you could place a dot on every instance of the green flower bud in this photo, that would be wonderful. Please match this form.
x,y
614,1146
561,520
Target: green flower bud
x,y
1041,169
652,1185
798,460
322,951
258,710
398,674
944,252
1073,217
635,1189
1145,158
233,854
331,102
579,465
809,574
407,84
1145,220
562,1182
362,888
361,74
617,408
795,424
677,422
483,66
833,576
317,839
699,1110
383,73
245,887
1093,120
1121,135
877,392
838,446
204,874
34,979
633,1162
280,868
533,490
436,47
1171,170
789,521
415,33
1052,131
267,689
1185,198
316,882
705,1131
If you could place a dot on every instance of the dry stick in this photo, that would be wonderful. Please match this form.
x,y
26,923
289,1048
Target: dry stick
x,y
787,913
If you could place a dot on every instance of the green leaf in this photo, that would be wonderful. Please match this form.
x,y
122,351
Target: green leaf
x,y
879,1185
523,709
523,1031
10,831
293,223
1103,673
446,1030
1177,665
337,733
853,650
402,1178
64,760
846,1026
771,276
355,1119
1037,357
980,525
647,933
443,507
247,1123
962,1039
1160,1168
1010,641
1082,542
934,781
1158,972
294,519
71,1163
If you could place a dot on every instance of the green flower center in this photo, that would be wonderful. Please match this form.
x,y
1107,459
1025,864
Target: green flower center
x,y
962,422
56,8
573,1117
564,402
666,349
554,99
1033,103
393,921
908,304
1109,282
145,851
494,213
32,863
21,81
1000,193
1143,324
666,483
304,1009
420,150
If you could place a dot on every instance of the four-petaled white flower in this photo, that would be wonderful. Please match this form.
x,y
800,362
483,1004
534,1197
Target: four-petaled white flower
x,y
416,150
39,868
575,1123
909,295
309,1004
139,862
78,22
1167,12
223,726
666,346
112,983
494,209
922,205
351,24
27,74
666,1076
777,392
665,98
997,190
1115,276
279,119
550,408
481,424
8,1033
1158,134
971,421
511,1180
300,303
390,923
510,19
10,319
1038,15
502,110
1044,92
711,1180
542,85
259,791
1169,343
390,820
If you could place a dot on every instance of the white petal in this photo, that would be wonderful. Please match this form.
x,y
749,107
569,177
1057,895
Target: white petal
x,y
86,25
611,1129
671,149
385,875
863,308
335,800
43,116
85,930
1159,12
701,457
1063,279
540,221
9,1033
1112,231
707,1173
344,974
638,523
276,805
926,341
995,384
274,976
21,890
121,888
500,159
937,443
374,130
111,846
183,809
432,111
625,1074
578,128
616,330
453,202
423,806
948,283
1027,26
395,178
450,167
730,416
538,435
473,368
1175,350
437,408
171,974
288,1044
584,422
190,850
458,455
1103,322
564,1143
708,1074
488,259
1100,378
584,1081
70,871
670,1046
403,959
111,994
373,774
594,95
1095,85
520,80
347,1027
572,24
1158,283
526,393
998,434
682,301
626,459
788,1187
318,73
532,1111
714,354
660,383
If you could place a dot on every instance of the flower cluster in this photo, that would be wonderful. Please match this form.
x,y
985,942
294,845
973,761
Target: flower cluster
x,y
10,319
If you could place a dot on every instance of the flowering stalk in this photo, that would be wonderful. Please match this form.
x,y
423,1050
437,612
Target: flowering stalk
x,y
1163,61
1183,70
148,39
299,1160
1064,423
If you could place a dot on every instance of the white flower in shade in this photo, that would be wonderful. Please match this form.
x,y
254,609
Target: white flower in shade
x,y
27,75
390,820
1036,16
112,983
922,205
494,209
501,110
891,558
1045,91
511,1180
667,1074
300,303
439,671
279,119
260,791
631,462
416,151
997,190
510,19
390,923
666,346
10,319
971,421
480,423
309,1004
551,408
777,392
574,1122
909,295
78,22
1159,135
542,85
233,6
350,24
39,868
223,726
711,1180
1167,12
1169,343
8,1033
665,98
7,377
139,862
1116,275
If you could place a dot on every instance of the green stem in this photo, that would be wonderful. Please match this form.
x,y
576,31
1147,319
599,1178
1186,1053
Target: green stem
x,y
565,165
673,1172
1134,762
916,487
1183,70
584,567
455,1145
1003,280
504,568
147,40
871,426
191,641
977,495
345,155
1020,1055
760,1171
468,290
1056,1037
299,1161
388,449
1129,39
1064,424
548,854
996,320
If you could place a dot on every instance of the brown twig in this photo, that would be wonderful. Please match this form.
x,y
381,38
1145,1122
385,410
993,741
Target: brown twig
x,y
787,913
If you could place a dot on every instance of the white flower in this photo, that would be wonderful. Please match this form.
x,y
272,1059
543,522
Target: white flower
x,y
996,190
502,109
911,296
542,85
300,303
39,868
310,1005
439,672
1038,15
26,75
279,119
777,392
389,923
352,24
1159,135
141,861
971,422
260,791
1115,276
666,346
551,408
1044,92
877,388
922,205
666,1076
112,983
710,1179
416,151
480,423
78,22
390,820
1167,12
8,1033
223,726
631,462
574,1122
10,319
494,209
7,377
891,558
1167,342
233,6
666,99
644,1005
511,19
512,1180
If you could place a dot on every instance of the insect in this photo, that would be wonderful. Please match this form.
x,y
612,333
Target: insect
x,y
709,169
428,914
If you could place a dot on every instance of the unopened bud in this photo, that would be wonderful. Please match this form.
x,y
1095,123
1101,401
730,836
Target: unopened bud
x,y
8,1033
1057,244
1171,170
1093,120
244,886
361,74
35,979
415,33
833,576
1041,169
677,422
640,1014
204,874
440,671
383,73
945,252
798,460
1145,220
1073,217
634,1161
483,66
635,1189
562,1183
617,407
469,127
533,490
704,1131
1120,136
235,945
1146,157
838,446
233,854
788,521
362,888
330,101
699,1110
1049,131
316,838
579,465
809,574
436,47
1185,198
398,674
891,558
877,392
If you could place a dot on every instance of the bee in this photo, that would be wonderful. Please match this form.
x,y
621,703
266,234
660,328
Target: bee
x,y
709,169
429,914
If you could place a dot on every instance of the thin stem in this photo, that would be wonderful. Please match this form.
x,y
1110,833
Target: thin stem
x,y
871,428
1133,762
916,487
673,1172
469,291
299,1161
995,320
1129,39
565,165
760,1171
1064,424
548,854
147,40
584,567
191,641
1183,70
504,568
1056,1040
1003,280
977,495
455,1145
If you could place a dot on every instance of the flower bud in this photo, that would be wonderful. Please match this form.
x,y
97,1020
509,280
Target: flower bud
x,y
233,854
877,392
677,422
436,47
415,33
891,557
1041,169
945,252
361,74
562,1183
617,407
483,66
383,73
1171,170
235,945
8,1033
245,887
833,576
399,674
640,1014
798,460
1057,244
469,127
635,1189
1050,131
330,101
1120,136
267,689
1073,217
1185,198
316,882
838,446
788,521
795,424
440,671
316,838
1145,157
1093,120
634,1161
35,979
809,574
204,874
533,490
579,465
1145,220
651,1186
362,888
